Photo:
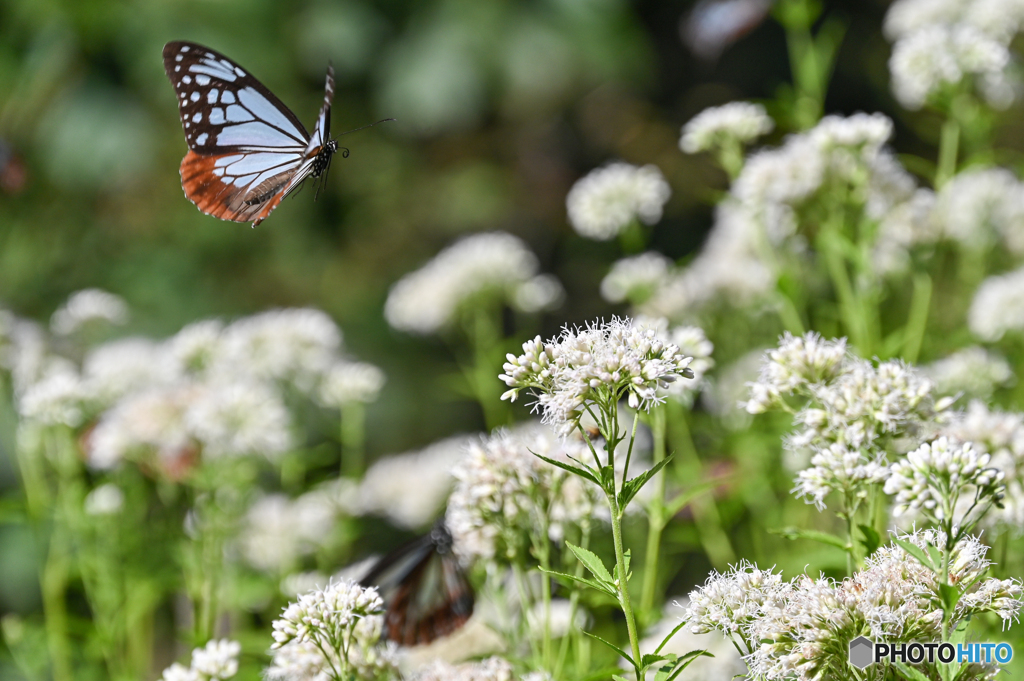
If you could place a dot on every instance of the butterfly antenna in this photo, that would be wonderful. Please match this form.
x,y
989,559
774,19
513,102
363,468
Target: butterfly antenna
x,y
383,120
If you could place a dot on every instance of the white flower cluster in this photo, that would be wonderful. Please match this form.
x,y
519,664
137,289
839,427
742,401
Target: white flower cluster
x,y
981,207
853,409
86,307
725,661
278,530
735,123
609,199
972,371
1000,434
503,492
692,342
764,210
408,489
347,382
478,269
327,617
491,669
635,278
998,306
603,362
217,661
800,629
934,477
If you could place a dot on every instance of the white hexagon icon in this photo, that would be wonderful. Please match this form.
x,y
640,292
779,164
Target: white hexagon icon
x,y
862,652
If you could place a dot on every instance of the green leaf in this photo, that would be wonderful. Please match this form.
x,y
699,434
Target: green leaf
x,y
582,580
871,540
584,472
910,672
608,477
677,504
672,633
813,535
684,661
915,551
592,563
936,555
959,634
622,653
648,660
950,595
630,488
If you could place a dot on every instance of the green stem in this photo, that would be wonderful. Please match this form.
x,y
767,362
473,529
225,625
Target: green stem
x,y
620,563
656,520
849,305
803,59
54,583
917,319
353,438
949,145
484,339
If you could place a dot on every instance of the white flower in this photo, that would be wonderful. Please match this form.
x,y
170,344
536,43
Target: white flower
x,y
218,660
348,382
798,363
55,398
635,278
295,345
998,306
490,266
239,418
179,672
106,499
980,207
740,122
836,468
150,421
88,305
865,133
934,476
607,200
328,616
503,491
278,530
730,602
612,359
973,371
410,488
491,669
112,370
196,347
939,55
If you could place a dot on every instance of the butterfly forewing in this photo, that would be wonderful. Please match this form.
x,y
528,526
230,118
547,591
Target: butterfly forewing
x,y
425,590
247,150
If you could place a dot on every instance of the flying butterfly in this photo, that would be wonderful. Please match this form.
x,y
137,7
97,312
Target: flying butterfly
x,y
425,590
247,150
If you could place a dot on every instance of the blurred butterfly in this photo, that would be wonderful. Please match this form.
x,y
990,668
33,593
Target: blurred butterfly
x,y
714,25
247,150
425,591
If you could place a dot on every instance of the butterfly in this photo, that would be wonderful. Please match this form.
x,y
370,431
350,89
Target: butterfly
x,y
425,590
246,150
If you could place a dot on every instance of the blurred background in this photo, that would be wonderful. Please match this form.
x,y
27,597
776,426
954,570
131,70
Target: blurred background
x,y
500,107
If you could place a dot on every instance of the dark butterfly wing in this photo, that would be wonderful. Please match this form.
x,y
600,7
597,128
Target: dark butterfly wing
x,y
425,591
247,150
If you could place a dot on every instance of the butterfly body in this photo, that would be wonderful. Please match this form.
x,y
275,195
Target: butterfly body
x,y
247,150
424,588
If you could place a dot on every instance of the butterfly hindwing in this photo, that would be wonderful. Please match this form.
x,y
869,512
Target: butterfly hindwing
x,y
208,183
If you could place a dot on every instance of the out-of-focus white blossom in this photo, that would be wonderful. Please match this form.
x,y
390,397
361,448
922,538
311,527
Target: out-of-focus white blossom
x,y
504,491
295,345
615,358
217,661
88,306
981,207
635,278
179,672
972,371
278,530
239,418
491,669
998,306
479,268
606,201
107,499
733,123
941,55
999,19
115,369
55,398
197,346
348,382
410,488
